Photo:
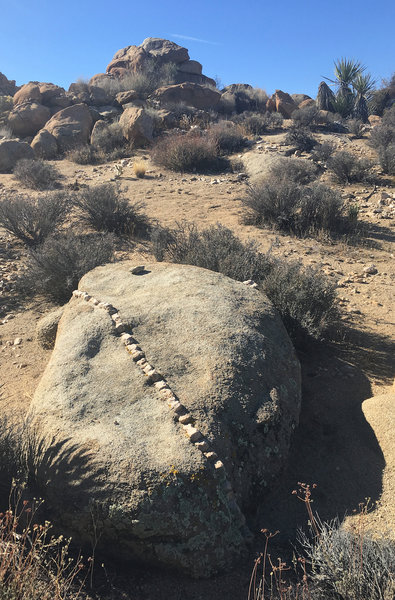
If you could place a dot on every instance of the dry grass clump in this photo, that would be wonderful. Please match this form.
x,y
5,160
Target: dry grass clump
x,y
139,169
54,269
333,563
34,565
85,155
323,151
305,117
36,174
347,168
190,152
304,297
356,128
258,123
32,220
105,208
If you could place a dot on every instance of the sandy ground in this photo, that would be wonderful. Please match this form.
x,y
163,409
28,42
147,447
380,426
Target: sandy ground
x,y
335,446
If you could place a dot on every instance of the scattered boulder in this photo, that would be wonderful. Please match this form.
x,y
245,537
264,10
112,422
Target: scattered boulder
x,y
80,93
374,120
137,125
271,105
126,97
325,97
71,126
191,94
131,58
30,92
44,145
168,487
165,51
299,98
285,105
11,151
190,66
8,87
306,103
53,96
28,118
47,327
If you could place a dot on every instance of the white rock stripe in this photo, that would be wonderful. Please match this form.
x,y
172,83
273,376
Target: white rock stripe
x,y
181,413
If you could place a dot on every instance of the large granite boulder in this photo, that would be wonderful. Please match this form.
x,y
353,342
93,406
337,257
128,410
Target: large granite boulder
x,y
191,94
165,51
137,126
165,455
71,126
285,104
28,118
8,87
11,151
45,145
30,92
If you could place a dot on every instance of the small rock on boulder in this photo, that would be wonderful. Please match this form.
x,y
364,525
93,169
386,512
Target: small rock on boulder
x,y
191,94
28,118
11,151
126,97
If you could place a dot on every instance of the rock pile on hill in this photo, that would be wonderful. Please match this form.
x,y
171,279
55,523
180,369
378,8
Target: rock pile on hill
x,y
168,404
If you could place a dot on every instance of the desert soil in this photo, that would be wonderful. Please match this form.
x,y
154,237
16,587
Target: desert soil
x,y
334,447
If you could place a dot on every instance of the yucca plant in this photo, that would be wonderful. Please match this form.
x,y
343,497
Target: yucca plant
x,y
363,86
346,72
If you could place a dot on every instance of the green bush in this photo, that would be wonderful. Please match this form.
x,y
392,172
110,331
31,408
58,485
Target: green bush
x,y
347,168
32,220
305,298
188,152
105,208
36,174
54,269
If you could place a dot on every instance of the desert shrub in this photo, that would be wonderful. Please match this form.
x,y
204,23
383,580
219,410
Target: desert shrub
x,y
6,132
11,461
323,151
54,269
143,82
258,123
85,155
105,208
347,168
382,139
258,98
356,128
304,298
295,170
305,116
297,209
36,174
32,220
301,139
187,153
215,248
227,136
349,564
109,138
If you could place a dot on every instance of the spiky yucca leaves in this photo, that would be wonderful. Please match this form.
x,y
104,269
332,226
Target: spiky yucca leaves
x,y
363,85
346,71
325,97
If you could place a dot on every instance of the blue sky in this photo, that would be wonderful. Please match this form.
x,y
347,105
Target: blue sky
x,y
287,45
